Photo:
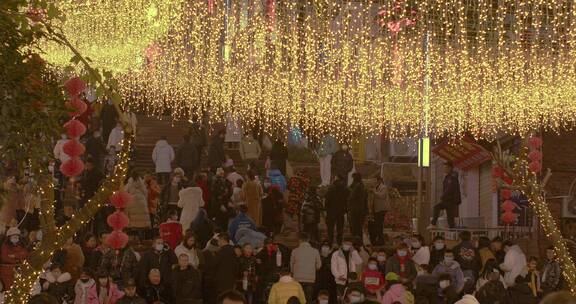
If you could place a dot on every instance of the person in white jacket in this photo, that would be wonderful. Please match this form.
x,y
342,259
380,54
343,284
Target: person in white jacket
x,y
59,149
514,262
116,137
163,156
190,201
420,253
344,261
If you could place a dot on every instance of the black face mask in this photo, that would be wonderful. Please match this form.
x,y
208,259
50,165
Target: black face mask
x,y
84,280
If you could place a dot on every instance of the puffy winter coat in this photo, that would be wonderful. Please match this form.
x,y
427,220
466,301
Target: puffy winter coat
x,y
82,293
186,285
514,263
195,257
121,265
304,262
11,256
187,156
171,233
397,293
190,201
114,294
337,199
286,288
340,268
137,211
240,221
342,162
454,271
152,259
115,139
277,179
163,156
551,275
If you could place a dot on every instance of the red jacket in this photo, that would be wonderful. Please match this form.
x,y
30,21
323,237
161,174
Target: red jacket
x,y
372,280
171,233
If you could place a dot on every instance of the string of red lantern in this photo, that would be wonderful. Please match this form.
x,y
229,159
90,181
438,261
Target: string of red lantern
x,y
74,128
118,220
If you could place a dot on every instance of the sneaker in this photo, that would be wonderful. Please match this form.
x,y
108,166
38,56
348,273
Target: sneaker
x,y
431,227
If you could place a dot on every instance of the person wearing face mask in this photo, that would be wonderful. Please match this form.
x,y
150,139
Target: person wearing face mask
x,y
13,252
420,252
130,295
514,263
402,264
396,292
186,282
342,163
344,261
105,291
158,257
446,291
355,295
83,287
155,290
324,278
381,258
372,279
248,278
467,256
323,297
437,251
452,268
57,283
189,247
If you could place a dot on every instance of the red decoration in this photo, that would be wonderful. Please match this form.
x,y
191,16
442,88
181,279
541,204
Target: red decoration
x,y
506,194
75,128
117,239
35,14
535,166
535,142
77,106
120,199
509,217
117,220
508,206
72,167
74,86
497,172
74,148
535,155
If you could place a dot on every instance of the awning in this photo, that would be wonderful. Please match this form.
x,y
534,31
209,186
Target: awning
x,y
465,154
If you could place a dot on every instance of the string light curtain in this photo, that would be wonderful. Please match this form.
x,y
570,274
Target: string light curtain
x,y
358,68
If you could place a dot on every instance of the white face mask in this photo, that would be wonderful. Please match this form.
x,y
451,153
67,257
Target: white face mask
x,y
51,168
402,253
63,136
444,284
323,301
381,258
346,247
159,247
325,251
448,259
356,299
372,266
439,246
416,245
14,239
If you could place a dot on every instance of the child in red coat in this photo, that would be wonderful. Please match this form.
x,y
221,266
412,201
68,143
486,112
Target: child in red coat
x,y
171,230
372,278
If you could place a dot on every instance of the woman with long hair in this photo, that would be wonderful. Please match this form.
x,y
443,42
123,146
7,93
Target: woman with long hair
x,y
105,290
189,246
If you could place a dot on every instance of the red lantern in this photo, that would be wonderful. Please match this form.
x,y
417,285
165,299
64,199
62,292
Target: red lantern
x,y
75,128
75,86
73,148
120,199
508,206
117,239
506,193
35,14
535,166
509,217
117,220
535,155
535,142
497,172
77,106
72,167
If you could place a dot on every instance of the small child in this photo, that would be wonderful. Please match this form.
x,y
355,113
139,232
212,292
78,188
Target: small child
x,y
551,272
171,230
532,276
372,279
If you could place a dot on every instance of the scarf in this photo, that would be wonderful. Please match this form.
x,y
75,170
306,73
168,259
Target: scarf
x,y
533,286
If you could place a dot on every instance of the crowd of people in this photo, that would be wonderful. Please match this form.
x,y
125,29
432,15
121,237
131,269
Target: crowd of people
x,y
209,234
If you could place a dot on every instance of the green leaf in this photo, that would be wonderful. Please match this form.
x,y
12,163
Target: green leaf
x,y
116,98
75,59
52,11
100,91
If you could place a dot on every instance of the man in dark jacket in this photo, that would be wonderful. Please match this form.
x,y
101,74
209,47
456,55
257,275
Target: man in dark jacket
x,y
216,154
109,117
186,282
91,181
450,198
467,256
342,163
160,257
187,157
130,295
226,265
357,205
279,155
336,207
220,205
96,149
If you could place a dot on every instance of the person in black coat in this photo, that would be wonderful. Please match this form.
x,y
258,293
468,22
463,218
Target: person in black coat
x,y
91,181
278,156
155,290
357,205
450,198
130,295
221,193
96,149
109,117
186,282
216,154
336,207
187,157
342,163
437,251
160,257
226,265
